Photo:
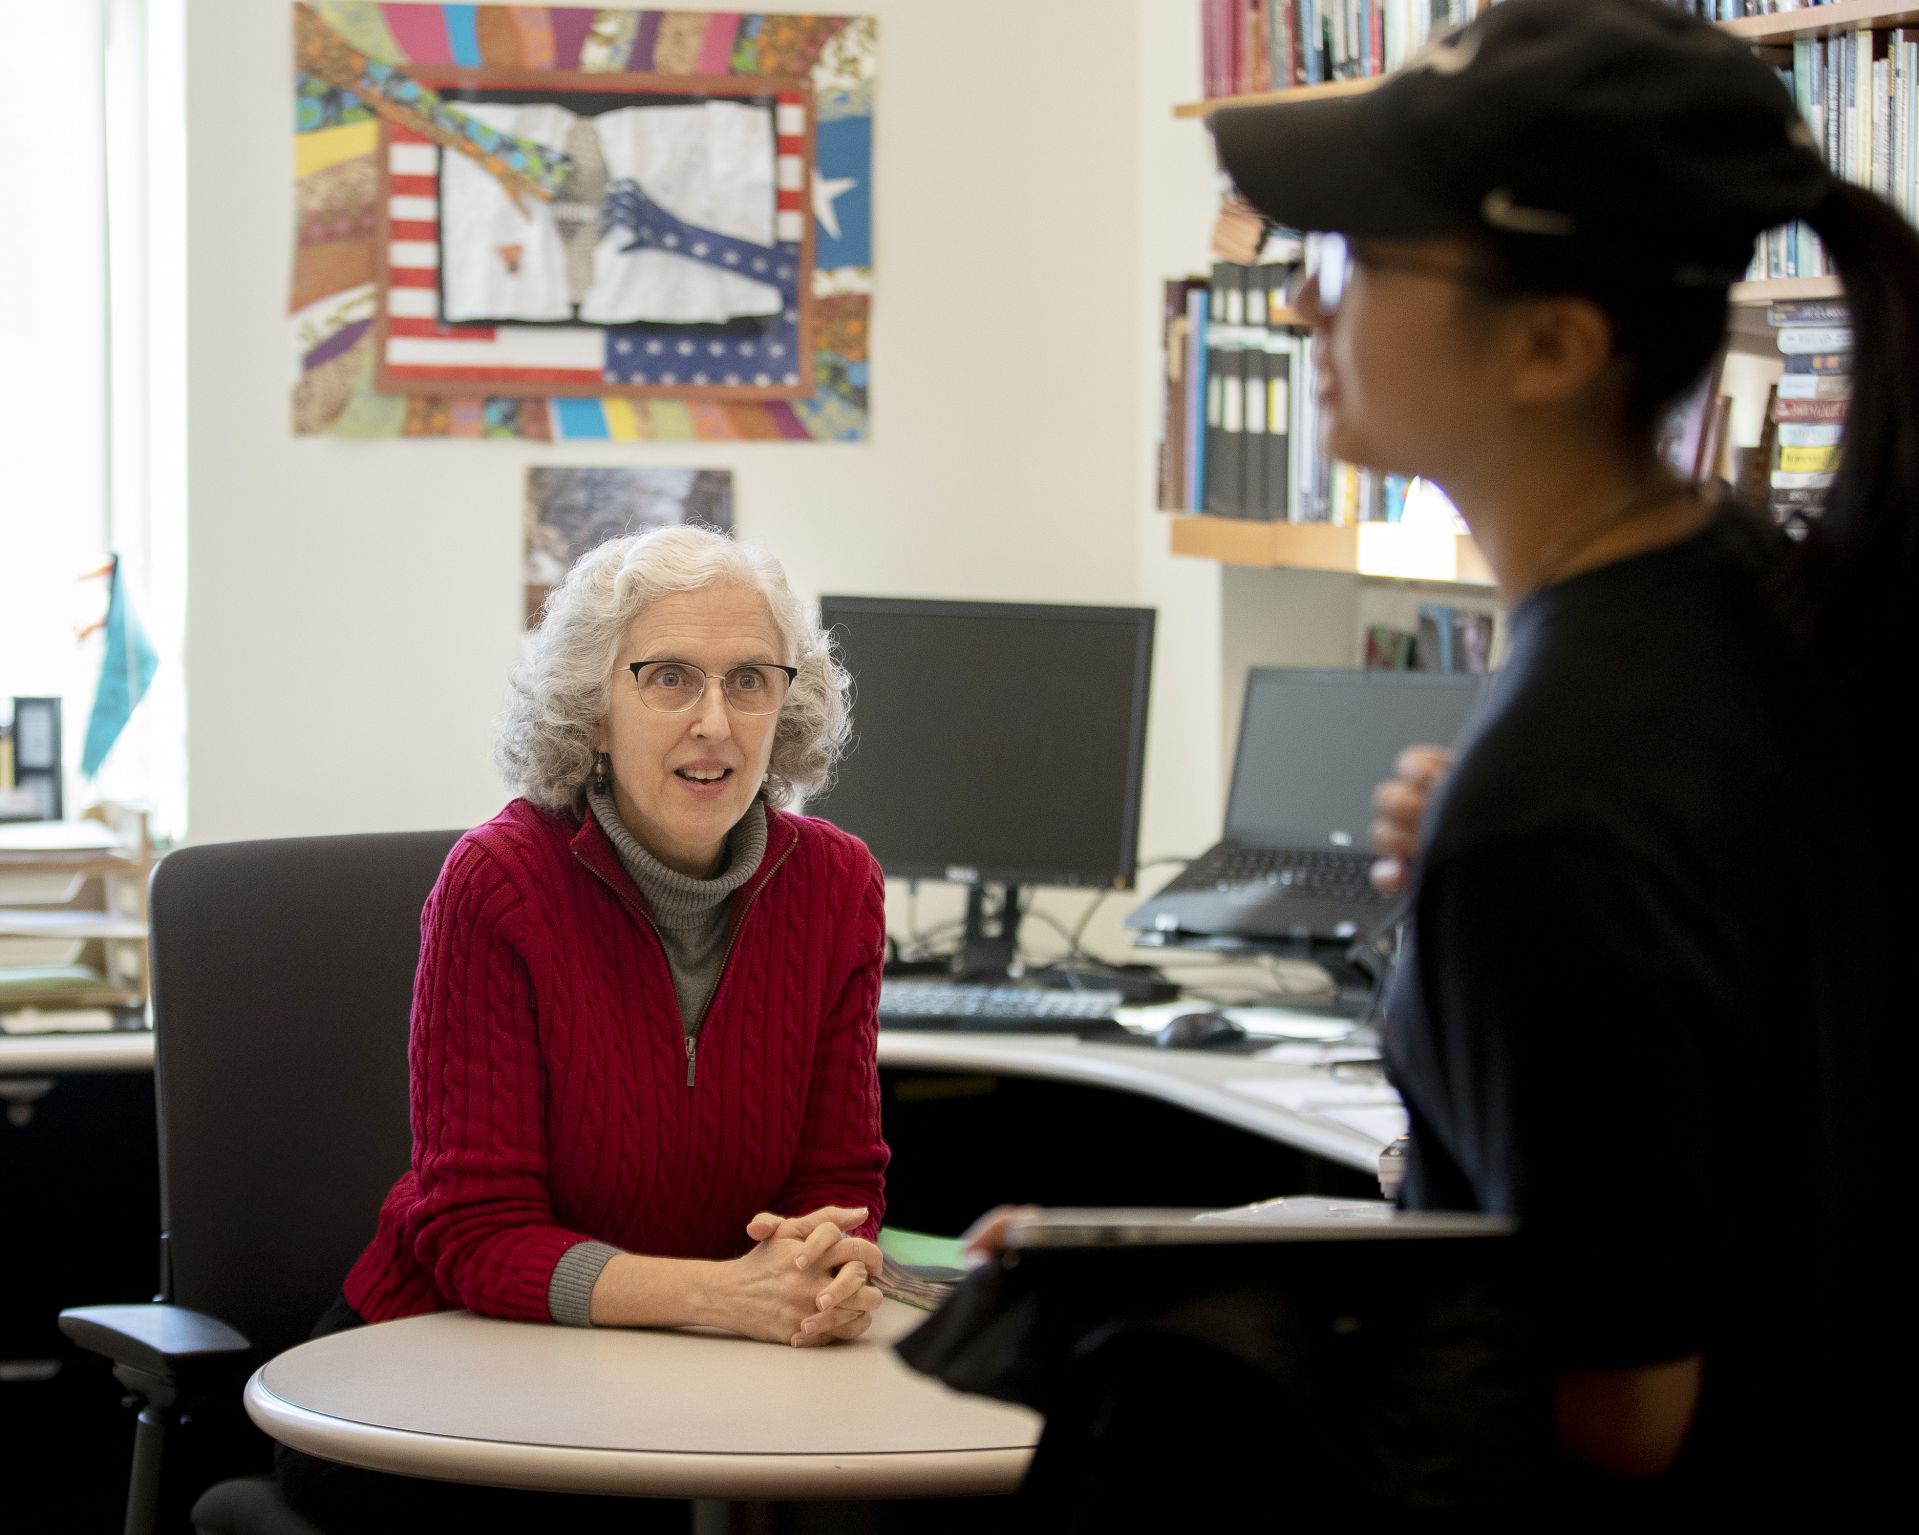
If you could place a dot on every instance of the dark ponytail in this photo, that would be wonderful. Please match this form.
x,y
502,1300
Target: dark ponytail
x,y
1851,583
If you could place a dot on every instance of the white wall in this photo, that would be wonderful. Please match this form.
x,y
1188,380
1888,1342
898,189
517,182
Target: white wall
x,y
1177,199
354,606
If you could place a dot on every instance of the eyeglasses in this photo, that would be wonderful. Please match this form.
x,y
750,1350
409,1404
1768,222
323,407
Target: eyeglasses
x,y
673,687
1329,259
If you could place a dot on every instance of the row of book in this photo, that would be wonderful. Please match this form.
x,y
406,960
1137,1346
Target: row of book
x,y
1806,414
1239,418
1236,386
1264,45
1737,10
1859,92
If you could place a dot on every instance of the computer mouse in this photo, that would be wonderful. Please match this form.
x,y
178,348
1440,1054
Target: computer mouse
x,y
1199,1031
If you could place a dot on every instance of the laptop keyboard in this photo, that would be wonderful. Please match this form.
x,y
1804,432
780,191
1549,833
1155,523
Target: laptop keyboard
x,y
1323,874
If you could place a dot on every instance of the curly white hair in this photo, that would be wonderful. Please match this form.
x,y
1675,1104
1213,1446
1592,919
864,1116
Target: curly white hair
x,y
561,685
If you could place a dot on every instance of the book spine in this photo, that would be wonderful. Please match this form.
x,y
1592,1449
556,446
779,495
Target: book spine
x,y
1862,110
1809,312
1208,49
1794,339
1809,386
1809,436
1804,496
1901,123
1196,398
1837,364
1835,78
1809,410
1882,127
1255,495
1280,351
1910,102
1817,460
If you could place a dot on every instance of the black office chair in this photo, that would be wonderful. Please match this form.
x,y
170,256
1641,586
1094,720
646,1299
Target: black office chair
x,y
282,983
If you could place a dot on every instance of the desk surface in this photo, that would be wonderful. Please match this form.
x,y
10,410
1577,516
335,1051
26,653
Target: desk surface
x,y
664,1414
1292,1101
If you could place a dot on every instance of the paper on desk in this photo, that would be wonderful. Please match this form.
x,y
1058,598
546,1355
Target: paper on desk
x,y
55,1020
1317,1092
1382,1125
56,837
1371,1109
1296,1052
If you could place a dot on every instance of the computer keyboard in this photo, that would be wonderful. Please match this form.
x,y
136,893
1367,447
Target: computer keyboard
x,y
988,1007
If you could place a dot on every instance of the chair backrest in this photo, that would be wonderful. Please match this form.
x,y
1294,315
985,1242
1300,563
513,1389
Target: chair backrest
x,y
282,986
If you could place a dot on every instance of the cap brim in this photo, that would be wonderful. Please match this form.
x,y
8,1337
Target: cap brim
x,y
1317,165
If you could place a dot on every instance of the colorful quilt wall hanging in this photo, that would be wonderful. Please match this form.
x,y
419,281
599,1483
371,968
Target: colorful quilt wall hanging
x,y
554,223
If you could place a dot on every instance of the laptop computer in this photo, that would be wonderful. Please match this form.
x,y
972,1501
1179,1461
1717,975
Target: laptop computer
x,y
1294,862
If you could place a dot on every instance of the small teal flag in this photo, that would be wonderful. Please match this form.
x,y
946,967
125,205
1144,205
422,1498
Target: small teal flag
x,y
126,671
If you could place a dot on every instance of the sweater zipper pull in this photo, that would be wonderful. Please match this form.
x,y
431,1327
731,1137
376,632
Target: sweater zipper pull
x,y
692,1044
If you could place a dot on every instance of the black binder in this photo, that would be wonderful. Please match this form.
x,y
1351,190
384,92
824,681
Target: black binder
x,y
1280,351
1225,392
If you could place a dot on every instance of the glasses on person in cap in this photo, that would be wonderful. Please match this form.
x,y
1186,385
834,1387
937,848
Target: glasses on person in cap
x,y
673,687
1330,259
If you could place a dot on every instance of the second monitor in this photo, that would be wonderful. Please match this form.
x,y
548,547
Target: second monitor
x,y
995,743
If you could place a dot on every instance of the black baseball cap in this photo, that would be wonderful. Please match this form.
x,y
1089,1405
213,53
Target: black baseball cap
x,y
1581,136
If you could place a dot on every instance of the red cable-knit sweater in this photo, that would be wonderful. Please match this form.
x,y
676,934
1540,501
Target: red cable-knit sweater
x,y
549,1066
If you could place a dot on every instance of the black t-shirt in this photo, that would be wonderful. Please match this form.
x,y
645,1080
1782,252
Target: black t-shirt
x,y
1644,993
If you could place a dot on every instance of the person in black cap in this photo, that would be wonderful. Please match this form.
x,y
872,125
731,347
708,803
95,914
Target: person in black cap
x,y
1647,988
1648,983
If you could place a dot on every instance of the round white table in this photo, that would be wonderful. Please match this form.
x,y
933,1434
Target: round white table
x,y
686,1414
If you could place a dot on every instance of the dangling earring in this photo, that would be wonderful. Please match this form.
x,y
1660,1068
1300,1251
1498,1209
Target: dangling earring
x,y
602,772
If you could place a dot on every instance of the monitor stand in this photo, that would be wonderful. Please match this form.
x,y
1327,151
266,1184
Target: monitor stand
x,y
985,956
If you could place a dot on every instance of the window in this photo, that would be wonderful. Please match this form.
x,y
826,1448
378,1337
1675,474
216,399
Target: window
x,y
92,449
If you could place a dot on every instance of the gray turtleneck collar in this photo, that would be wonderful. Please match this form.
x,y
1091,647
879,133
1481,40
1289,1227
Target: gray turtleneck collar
x,y
679,901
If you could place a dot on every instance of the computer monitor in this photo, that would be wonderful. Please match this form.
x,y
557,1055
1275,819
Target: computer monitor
x,y
995,743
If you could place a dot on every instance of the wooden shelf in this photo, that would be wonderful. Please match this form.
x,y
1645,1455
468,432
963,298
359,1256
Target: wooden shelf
x,y
1781,290
1290,93
1846,16
1385,550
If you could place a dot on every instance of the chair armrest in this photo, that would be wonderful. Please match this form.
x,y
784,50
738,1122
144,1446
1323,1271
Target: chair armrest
x,y
169,1344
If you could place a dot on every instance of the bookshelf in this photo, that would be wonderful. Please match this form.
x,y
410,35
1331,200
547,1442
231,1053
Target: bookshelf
x,y
1384,551
1762,31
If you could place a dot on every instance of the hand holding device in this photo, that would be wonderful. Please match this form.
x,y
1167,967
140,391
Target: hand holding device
x,y
985,1239
1398,805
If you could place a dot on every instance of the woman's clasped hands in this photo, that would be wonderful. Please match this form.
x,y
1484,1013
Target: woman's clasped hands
x,y
805,1282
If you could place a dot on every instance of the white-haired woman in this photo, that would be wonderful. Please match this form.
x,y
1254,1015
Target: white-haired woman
x,y
643,1044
